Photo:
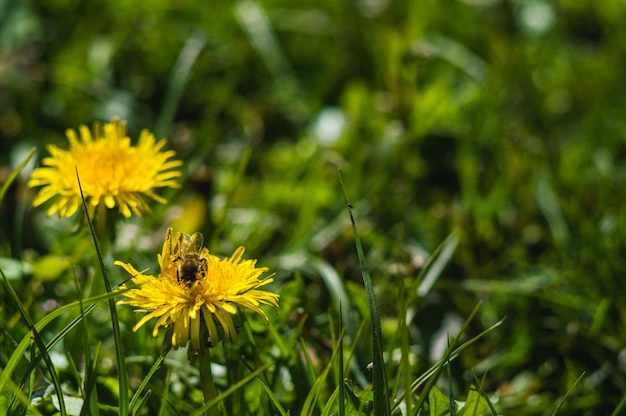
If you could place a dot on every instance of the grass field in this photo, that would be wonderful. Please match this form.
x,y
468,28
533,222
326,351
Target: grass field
x,y
435,189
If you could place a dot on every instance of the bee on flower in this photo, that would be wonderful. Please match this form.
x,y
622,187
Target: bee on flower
x,y
196,293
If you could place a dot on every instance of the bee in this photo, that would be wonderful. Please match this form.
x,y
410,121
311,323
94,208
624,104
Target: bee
x,y
190,263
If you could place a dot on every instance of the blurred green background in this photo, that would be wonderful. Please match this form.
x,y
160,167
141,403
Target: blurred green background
x,y
502,121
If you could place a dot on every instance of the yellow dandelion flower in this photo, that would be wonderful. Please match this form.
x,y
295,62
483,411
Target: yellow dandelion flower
x,y
111,171
197,293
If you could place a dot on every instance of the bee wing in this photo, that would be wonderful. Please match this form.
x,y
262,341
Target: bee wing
x,y
197,240
191,243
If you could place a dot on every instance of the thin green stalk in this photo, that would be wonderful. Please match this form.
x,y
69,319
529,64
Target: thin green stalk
x,y
619,407
206,378
342,392
117,335
379,379
135,400
562,401
89,391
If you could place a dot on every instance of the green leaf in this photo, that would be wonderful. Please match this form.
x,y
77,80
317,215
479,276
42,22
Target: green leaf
x,y
475,404
72,404
438,403
49,267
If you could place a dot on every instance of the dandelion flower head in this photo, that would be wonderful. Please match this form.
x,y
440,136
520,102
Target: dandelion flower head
x,y
197,293
111,171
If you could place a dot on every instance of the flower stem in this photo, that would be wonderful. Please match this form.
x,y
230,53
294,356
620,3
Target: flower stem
x,y
206,378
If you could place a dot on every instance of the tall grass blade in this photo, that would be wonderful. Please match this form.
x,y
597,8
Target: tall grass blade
x,y
620,406
90,394
436,264
379,381
549,205
404,378
342,392
117,336
339,295
38,341
450,389
451,352
480,391
143,401
562,401
273,399
180,74
257,25
137,396
315,266
7,184
63,332
21,347
328,409
312,398
18,398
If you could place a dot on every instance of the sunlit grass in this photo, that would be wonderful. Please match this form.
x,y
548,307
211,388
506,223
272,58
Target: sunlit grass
x,y
481,148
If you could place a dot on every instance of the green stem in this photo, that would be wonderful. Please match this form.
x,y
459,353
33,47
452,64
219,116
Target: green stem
x,y
206,378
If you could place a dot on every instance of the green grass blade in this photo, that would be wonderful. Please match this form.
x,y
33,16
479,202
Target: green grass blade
x,y
166,391
91,377
620,406
549,205
480,391
435,265
336,287
143,401
257,25
403,378
20,349
450,389
38,341
117,336
342,392
310,367
90,394
135,400
178,80
381,401
272,397
432,374
328,408
220,397
312,398
315,266
73,324
562,401
7,184
18,397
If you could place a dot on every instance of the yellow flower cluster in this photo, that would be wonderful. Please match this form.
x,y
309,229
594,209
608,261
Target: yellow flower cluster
x,y
196,293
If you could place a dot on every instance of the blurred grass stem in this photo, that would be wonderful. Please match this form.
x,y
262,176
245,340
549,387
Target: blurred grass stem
x,y
206,378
